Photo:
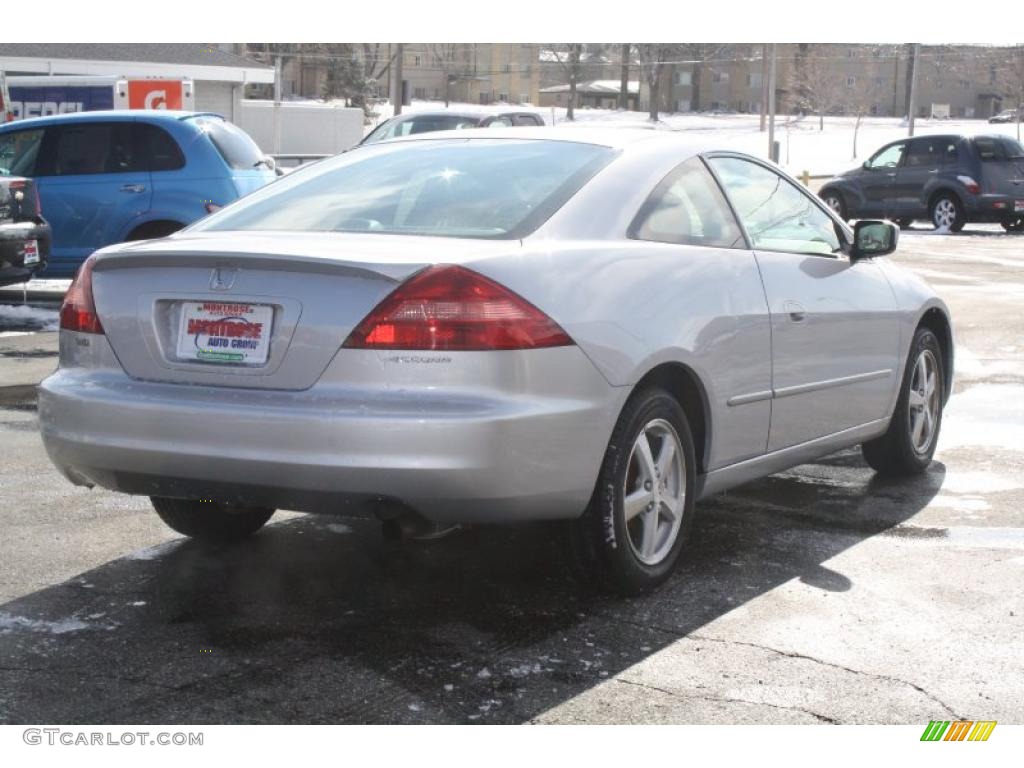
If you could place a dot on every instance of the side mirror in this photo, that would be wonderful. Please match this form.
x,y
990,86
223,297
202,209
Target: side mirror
x,y
874,238
866,165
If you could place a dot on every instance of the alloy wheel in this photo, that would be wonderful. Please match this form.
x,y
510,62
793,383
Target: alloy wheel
x,y
924,396
944,214
835,204
654,492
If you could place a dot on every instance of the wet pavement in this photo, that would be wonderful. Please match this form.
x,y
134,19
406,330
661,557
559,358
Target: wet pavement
x,y
819,595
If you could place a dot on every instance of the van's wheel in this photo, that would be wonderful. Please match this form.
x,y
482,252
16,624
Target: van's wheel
x,y
947,212
210,520
909,444
834,200
638,520
1014,225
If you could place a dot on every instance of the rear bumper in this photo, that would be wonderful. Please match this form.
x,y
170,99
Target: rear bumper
x,y
453,456
12,250
994,207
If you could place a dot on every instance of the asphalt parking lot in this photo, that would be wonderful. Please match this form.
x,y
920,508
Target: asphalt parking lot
x,y
820,595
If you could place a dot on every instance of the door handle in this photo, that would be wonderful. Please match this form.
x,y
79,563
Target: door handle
x,y
135,188
797,314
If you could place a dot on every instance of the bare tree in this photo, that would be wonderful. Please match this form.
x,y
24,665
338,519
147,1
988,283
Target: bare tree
x,y
625,54
449,59
815,86
863,95
1009,69
568,56
653,59
699,56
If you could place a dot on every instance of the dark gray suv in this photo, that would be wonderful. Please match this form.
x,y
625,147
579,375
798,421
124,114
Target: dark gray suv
x,y
948,180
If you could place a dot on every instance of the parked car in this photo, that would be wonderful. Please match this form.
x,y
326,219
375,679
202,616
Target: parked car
x,y
1006,116
948,180
24,234
106,177
486,326
427,122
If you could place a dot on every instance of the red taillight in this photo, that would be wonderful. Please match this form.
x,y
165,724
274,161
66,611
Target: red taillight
x,y
30,194
971,184
449,307
78,312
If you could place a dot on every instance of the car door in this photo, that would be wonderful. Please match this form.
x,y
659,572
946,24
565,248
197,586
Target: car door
x,y
834,327
919,170
92,188
878,181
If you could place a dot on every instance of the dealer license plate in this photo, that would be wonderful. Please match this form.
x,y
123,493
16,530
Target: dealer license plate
x,y
31,253
224,332
1018,206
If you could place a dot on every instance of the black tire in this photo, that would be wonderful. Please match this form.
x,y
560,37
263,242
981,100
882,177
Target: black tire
x,y
938,208
1014,225
210,520
835,201
904,223
154,230
894,453
600,548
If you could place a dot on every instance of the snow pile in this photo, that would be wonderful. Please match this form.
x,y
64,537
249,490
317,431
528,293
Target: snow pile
x,y
9,623
19,316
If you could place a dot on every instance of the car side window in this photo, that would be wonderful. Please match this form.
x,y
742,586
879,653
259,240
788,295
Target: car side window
x,y
889,157
91,148
527,120
687,208
929,153
777,215
500,122
18,152
156,149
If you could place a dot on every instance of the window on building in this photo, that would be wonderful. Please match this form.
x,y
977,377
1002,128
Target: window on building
x,y
851,81
526,70
506,68
720,76
503,97
415,61
683,105
754,79
419,93
524,98
879,81
684,78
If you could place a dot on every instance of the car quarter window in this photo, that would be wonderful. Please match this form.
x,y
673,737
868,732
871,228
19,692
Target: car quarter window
x,y
687,208
89,148
156,150
18,152
889,157
777,215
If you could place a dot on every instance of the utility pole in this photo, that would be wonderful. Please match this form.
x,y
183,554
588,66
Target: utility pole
x,y
396,90
764,86
771,102
912,108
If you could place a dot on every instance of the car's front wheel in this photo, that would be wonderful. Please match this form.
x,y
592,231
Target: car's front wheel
x,y
909,444
210,520
630,537
948,213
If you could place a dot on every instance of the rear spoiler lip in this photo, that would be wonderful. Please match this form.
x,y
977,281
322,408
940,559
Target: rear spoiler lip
x,y
263,261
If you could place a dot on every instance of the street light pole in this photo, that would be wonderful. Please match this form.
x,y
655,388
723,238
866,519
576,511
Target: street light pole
x,y
396,91
912,109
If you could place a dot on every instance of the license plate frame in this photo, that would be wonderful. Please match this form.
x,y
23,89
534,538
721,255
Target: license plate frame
x,y
224,333
1018,206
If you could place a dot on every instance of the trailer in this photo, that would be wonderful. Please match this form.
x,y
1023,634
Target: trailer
x,y
45,95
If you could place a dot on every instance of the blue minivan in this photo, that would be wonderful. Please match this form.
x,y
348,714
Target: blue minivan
x,y
105,177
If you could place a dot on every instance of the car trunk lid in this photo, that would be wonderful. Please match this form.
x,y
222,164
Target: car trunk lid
x,y
267,311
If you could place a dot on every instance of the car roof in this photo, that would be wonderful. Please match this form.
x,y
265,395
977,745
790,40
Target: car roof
x,y
617,138
110,115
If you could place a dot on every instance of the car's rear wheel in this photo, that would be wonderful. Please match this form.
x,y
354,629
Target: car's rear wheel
x,y
948,213
630,537
909,444
834,200
1014,225
210,520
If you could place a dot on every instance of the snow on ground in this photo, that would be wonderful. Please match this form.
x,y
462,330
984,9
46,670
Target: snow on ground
x,y
803,147
21,316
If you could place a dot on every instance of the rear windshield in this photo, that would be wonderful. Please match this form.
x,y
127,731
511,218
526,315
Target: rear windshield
x,y
235,146
993,149
501,189
421,124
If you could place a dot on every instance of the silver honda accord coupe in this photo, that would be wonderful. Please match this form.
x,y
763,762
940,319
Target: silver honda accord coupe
x,y
594,327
